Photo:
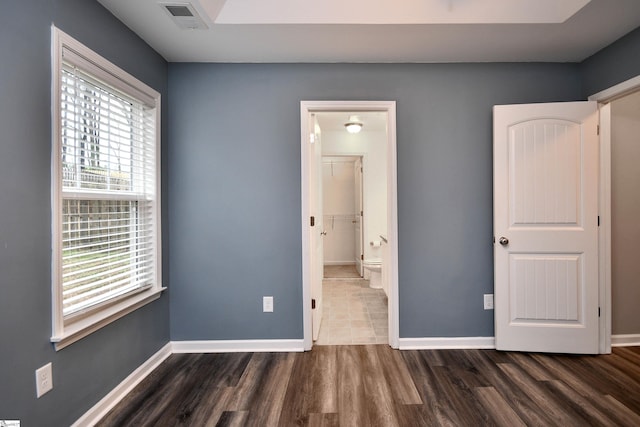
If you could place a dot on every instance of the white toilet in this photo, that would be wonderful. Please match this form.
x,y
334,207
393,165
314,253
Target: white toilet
x,y
373,272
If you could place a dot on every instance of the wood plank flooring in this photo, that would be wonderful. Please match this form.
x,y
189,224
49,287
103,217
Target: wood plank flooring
x,y
373,385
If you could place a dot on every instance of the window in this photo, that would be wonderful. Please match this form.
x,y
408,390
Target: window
x,y
106,217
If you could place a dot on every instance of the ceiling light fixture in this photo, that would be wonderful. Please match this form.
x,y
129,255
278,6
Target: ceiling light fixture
x,y
353,125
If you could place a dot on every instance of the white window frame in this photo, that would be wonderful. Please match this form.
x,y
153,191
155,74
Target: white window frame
x,y
67,331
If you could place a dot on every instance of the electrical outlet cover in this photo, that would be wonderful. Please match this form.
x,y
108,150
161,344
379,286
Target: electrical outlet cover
x,y
267,304
488,301
44,380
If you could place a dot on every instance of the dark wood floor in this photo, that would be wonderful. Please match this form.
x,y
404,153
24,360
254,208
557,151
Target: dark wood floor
x,y
374,385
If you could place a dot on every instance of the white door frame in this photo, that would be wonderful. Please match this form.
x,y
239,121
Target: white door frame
x,y
359,181
604,98
307,107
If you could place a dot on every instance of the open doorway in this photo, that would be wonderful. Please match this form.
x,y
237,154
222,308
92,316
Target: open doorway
x,y
324,134
619,204
619,210
343,214
354,296
625,211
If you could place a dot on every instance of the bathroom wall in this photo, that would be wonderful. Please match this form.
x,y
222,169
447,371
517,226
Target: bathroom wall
x,y
339,203
373,147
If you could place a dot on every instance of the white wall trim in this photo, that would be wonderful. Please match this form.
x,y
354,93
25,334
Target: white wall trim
x,y
617,91
237,346
604,231
627,340
348,262
100,409
447,343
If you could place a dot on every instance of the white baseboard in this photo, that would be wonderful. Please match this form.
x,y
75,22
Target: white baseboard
x,y
339,263
625,340
100,409
447,343
237,346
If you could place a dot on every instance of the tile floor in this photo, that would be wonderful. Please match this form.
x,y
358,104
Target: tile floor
x,y
353,313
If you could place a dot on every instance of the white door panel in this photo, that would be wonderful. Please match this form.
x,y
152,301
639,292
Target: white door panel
x,y
546,207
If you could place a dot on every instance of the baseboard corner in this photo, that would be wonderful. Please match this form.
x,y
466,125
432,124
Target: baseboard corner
x,y
100,409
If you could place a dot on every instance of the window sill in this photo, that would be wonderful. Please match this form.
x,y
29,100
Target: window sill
x,y
86,326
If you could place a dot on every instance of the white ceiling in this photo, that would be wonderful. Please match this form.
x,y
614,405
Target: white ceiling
x,y
383,30
388,12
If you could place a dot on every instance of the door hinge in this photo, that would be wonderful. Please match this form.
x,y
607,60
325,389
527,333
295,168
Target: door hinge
x,y
361,257
313,304
598,130
598,220
313,221
598,311
361,213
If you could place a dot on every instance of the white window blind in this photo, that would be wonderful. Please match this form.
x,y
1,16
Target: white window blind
x,y
107,161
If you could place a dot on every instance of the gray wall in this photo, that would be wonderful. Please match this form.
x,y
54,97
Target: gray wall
x,y
614,64
234,186
88,369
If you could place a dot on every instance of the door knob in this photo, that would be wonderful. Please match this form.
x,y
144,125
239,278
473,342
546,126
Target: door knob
x,y
503,241
324,233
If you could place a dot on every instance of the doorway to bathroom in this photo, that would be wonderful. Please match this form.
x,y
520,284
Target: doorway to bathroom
x,y
343,232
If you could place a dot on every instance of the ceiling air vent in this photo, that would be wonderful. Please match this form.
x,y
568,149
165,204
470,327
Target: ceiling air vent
x,y
179,10
185,16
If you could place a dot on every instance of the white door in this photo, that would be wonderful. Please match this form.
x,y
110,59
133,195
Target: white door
x,y
546,227
316,229
357,176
